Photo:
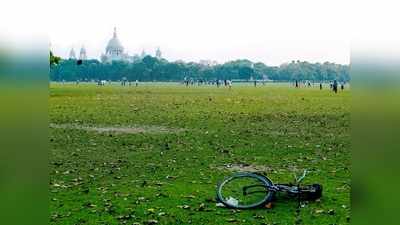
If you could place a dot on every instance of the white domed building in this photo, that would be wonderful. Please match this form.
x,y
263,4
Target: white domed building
x,y
115,51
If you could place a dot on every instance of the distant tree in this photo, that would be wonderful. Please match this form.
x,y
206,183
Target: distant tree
x,y
150,68
54,60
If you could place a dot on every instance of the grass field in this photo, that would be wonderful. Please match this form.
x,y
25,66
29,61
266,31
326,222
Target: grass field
x,y
154,153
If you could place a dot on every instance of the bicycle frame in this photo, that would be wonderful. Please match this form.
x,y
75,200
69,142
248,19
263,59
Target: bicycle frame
x,y
293,189
275,188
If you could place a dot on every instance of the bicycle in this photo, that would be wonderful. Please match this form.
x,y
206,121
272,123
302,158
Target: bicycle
x,y
252,190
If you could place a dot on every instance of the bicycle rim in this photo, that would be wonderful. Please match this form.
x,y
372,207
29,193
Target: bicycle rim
x,y
244,191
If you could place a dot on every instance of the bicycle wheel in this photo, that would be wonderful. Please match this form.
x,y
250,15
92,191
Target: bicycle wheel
x,y
244,191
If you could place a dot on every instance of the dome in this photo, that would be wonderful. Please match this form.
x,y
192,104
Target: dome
x,y
114,44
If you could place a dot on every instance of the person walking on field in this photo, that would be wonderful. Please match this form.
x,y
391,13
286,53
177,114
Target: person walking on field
x,y
320,86
342,86
335,86
136,83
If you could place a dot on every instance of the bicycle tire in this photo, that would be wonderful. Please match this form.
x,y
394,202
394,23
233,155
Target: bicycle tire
x,y
264,180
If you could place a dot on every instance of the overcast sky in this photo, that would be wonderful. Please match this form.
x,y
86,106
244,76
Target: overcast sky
x,y
272,32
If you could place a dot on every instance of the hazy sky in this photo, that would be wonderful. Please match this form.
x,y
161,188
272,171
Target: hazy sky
x,y
272,32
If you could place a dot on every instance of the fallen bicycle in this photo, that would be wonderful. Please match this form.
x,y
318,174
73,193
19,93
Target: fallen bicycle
x,y
252,190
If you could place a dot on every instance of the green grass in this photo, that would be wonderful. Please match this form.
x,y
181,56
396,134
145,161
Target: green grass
x,y
103,178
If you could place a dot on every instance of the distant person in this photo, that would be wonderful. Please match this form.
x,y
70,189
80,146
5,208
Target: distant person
x,y
230,84
296,83
335,86
309,84
342,86
136,83
320,86
102,82
255,83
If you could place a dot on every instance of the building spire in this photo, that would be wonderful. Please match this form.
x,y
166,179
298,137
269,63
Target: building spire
x,y
158,53
82,53
72,54
115,32
143,54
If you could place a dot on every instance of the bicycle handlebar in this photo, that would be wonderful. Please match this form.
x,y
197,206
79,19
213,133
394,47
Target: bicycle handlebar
x,y
298,180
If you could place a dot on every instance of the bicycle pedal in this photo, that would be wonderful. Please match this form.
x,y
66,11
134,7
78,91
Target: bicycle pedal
x,y
269,205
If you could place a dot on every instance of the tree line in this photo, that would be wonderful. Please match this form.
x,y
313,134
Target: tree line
x,y
153,69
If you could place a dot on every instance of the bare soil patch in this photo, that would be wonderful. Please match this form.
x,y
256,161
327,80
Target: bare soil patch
x,y
118,129
243,167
